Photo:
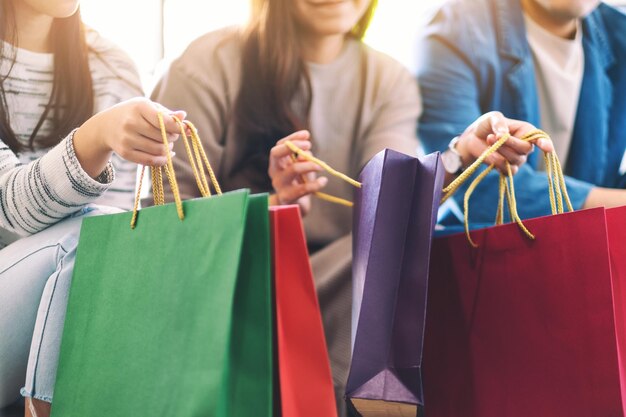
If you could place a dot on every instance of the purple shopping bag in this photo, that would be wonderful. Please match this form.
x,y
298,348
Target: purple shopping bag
x,y
394,217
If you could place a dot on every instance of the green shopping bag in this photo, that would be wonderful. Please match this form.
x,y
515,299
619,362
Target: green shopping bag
x,y
172,318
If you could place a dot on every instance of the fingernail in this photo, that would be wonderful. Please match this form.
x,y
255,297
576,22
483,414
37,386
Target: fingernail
x,y
322,181
173,154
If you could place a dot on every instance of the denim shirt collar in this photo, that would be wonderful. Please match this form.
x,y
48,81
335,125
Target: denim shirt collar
x,y
599,57
597,35
511,32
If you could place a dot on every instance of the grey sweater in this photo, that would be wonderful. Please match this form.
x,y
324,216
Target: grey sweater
x,y
363,102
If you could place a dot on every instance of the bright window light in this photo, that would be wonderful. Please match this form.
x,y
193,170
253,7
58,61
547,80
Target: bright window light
x,y
136,26
138,29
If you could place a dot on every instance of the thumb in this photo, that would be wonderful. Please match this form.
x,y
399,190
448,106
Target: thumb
x,y
498,123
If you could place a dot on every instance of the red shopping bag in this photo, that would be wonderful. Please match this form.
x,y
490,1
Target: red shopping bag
x,y
306,386
517,327
616,226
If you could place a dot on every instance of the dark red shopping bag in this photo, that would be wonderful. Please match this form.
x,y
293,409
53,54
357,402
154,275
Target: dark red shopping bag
x,y
306,386
616,226
518,327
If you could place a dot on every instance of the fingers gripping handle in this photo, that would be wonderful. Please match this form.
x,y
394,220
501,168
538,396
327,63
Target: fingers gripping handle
x,y
197,159
293,148
557,190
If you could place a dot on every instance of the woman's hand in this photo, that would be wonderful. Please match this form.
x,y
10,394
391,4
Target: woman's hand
x,y
487,130
288,175
130,129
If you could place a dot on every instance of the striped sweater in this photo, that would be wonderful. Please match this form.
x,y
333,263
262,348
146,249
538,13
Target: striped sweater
x,y
40,187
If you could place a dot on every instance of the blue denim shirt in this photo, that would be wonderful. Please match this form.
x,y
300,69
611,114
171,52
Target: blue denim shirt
x,y
474,58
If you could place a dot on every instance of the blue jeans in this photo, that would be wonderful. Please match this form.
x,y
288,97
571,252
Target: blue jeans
x,y
35,276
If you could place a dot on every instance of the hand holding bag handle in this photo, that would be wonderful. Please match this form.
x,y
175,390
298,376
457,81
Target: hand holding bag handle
x,y
337,200
197,158
556,182
556,185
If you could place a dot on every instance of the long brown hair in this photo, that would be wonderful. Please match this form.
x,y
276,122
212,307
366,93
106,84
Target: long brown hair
x,y
273,73
72,100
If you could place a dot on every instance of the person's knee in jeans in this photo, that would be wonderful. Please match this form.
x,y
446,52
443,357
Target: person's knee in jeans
x,y
42,265
47,335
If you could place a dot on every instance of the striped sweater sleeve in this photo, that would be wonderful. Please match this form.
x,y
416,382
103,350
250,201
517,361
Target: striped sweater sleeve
x,y
115,79
37,195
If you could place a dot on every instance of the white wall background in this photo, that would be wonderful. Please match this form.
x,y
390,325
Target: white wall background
x,y
136,26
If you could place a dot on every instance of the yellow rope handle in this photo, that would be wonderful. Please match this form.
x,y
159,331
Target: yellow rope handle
x,y
466,197
133,220
507,188
169,170
561,178
156,177
197,158
557,186
501,192
510,188
201,155
327,197
197,170
557,189
461,179
556,180
549,173
333,199
157,180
